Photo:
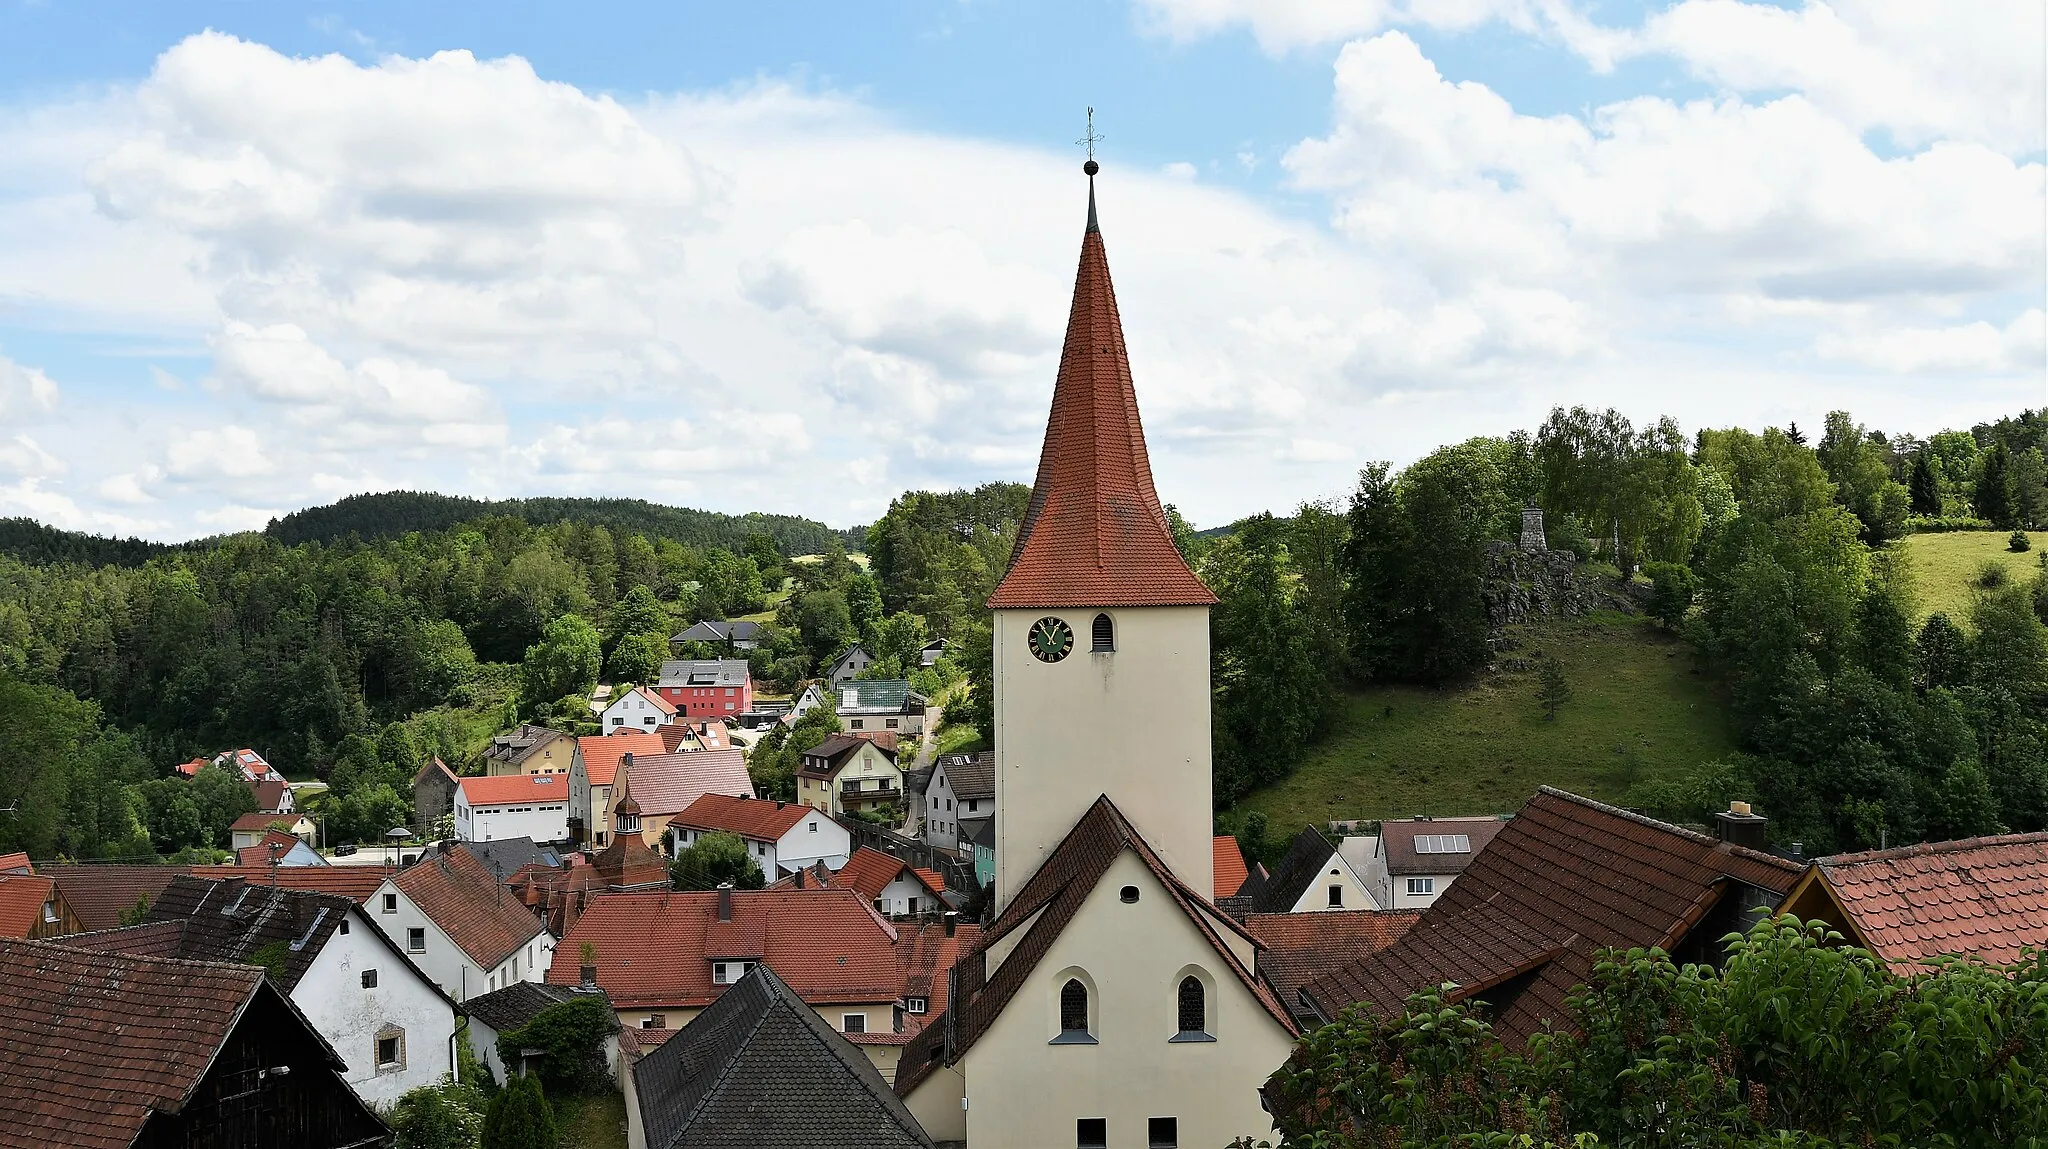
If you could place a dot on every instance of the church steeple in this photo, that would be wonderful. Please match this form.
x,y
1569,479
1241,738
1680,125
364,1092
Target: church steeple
x,y
1095,533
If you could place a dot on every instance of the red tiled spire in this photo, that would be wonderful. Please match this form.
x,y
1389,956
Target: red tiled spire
x,y
1095,534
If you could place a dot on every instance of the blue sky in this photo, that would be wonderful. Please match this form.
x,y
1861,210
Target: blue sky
x,y
804,256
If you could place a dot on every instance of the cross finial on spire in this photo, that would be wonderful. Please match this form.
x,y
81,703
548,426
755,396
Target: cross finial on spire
x,y
1089,141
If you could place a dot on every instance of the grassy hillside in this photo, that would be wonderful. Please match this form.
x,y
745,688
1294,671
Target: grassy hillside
x,y
1638,711
1945,567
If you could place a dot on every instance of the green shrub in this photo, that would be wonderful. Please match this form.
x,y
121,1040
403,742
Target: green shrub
x,y
2018,543
1991,575
1941,524
519,1117
569,1035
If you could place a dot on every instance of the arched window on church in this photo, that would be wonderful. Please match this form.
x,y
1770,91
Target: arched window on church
x,y
1073,1009
1193,1001
1105,634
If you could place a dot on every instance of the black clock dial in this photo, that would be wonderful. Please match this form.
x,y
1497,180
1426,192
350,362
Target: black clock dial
x,y
1051,639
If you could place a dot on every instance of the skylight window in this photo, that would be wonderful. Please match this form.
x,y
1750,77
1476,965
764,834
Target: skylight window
x,y
1443,844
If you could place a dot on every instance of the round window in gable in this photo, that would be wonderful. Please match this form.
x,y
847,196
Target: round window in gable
x,y
1128,894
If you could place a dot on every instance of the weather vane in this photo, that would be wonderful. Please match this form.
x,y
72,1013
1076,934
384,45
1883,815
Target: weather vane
x,y
1089,141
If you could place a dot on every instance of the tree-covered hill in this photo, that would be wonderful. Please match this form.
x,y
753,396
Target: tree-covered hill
x,y
392,513
33,542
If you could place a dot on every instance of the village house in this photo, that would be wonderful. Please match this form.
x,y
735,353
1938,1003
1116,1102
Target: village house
x,y
961,793
464,927
530,750
663,956
848,665
512,1008
759,1067
636,709
687,734
1563,879
708,687
31,906
1414,860
1296,949
273,795
251,828
893,886
880,704
1312,876
1109,1002
662,786
933,651
1985,898
601,756
513,806
844,774
241,1065
781,836
433,794
738,635
245,764
559,895
363,996
279,848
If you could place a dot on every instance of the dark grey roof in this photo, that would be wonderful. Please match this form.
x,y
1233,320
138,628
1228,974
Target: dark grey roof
x,y
507,1009
759,1069
970,775
504,856
983,832
703,672
1293,876
713,630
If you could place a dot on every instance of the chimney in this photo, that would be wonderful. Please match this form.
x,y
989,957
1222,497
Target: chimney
x,y
1738,826
799,876
589,977
952,920
725,901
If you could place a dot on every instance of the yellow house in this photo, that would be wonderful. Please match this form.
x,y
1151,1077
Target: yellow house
x,y
844,774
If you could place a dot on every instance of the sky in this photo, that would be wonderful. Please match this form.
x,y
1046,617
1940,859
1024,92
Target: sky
x,y
801,257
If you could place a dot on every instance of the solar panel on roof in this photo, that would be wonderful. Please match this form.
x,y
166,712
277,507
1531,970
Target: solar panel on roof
x,y
1443,843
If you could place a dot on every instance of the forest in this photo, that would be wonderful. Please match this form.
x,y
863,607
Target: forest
x,y
351,642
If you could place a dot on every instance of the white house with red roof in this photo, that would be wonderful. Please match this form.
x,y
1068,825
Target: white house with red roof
x,y
461,925
513,806
782,836
1109,1002
890,884
636,709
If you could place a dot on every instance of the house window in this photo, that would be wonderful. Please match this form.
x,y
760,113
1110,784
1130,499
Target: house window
x,y
390,903
1091,1133
1421,887
1105,634
1074,1014
1336,896
917,1004
369,979
654,1021
721,974
390,1048
344,925
814,827
890,723
416,940
973,805
853,1023
1127,895
1162,1133
856,724
50,911
1191,1002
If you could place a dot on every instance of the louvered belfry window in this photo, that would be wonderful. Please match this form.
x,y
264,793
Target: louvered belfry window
x,y
1105,634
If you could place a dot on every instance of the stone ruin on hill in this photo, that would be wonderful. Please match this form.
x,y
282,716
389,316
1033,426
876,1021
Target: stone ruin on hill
x,y
1526,580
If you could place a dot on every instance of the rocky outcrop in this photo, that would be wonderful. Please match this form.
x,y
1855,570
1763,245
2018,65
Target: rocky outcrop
x,y
1526,584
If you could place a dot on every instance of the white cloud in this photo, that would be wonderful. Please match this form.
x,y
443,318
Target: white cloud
x,y
454,274
233,518
2017,347
24,391
23,456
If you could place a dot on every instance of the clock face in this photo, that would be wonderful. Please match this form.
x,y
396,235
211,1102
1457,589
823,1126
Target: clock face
x,y
1051,639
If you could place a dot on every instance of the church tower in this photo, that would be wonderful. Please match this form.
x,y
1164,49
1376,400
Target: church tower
x,y
1101,631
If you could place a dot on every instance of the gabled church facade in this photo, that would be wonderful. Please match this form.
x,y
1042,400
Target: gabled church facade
x,y
1109,1003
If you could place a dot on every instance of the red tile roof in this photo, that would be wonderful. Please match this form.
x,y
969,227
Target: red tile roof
x,y
1302,947
270,792
759,819
462,896
260,855
1230,871
665,784
660,704
654,949
189,769
1041,911
601,752
263,821
1565,877
931,879
1986,897
870,871
886,739
22,899
97,1042
357,883
512,789
99,894
16,863
1094,533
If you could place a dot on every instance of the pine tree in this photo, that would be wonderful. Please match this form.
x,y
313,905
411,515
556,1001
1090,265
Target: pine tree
x,y
1993,497
519,1117
1553,690
1925,488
